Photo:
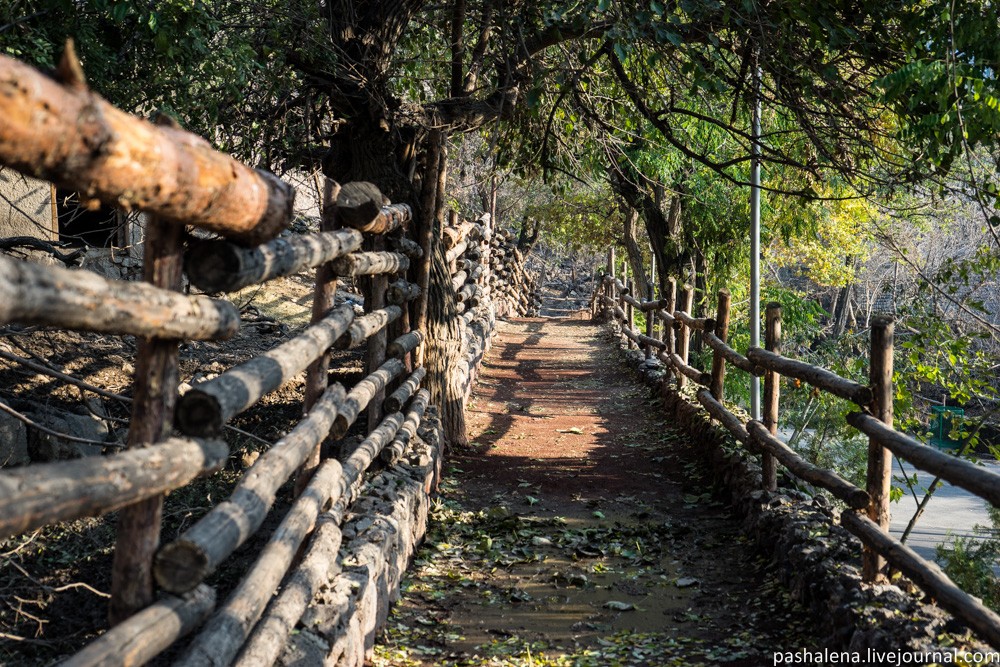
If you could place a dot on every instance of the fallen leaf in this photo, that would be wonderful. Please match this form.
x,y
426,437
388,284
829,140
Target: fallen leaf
x,y
619,606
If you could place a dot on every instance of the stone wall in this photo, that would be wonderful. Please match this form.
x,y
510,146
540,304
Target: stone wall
x,y
380,536
26,207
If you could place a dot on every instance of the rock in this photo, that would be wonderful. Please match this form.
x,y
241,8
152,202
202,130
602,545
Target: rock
x,y
13,442
44,447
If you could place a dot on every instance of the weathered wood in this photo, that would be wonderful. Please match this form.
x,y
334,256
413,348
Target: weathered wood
x,y
666,313
206,407
456,252
458,279
721,335
928,576
408,342
362,206
772,385
71,136
879,474
397,399
468,293
370,263
361,458
362,393
185,562
405,246
683,334
324,298
674,360
391,454
139,639
221,266
650,341
82,300
653,305
731,355
730,421
270,634
226,631
455,234
362,328
155,394
954,469
668,321
632,301
401,291
696,323
827,479
814,375
44,493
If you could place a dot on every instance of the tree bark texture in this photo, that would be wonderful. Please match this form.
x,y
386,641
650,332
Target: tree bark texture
x,y
362,394
71,136
84,301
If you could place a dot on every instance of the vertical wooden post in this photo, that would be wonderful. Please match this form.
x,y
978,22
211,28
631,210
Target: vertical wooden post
x,y
722,331
684,333
772,381
611,272
324,293
152,419
879,475
671,298
425,235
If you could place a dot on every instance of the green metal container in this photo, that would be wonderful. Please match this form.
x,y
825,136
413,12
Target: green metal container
x,y
942,424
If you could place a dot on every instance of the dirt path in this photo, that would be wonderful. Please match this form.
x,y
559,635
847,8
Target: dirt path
x,y
578,532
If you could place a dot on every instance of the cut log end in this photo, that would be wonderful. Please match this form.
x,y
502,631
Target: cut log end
x,y
199,414
180,566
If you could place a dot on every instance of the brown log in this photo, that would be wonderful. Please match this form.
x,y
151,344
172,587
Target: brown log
x,y
391,454
674,360
456,252
650,341
156,382
361,458
401,291
730,421
649,306
469,292
731,355
814,375
408,342
220,266
319,565
84,301
683,334
826,479
44,493
206,407
928,576
71,136
362,393
362,206
405,246
227,629
453,235
364,327
139,639
631,300
397,399
954,469
370,263
772,385
696,323
185,562
721,335
879,473
458,279
668,321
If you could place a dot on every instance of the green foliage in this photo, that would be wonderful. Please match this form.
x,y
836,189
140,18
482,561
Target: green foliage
x,y
971,561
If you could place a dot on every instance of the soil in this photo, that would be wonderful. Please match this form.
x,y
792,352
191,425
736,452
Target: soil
x,y
577,530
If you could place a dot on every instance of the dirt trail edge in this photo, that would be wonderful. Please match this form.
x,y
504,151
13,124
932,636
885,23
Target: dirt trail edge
x,y
577,532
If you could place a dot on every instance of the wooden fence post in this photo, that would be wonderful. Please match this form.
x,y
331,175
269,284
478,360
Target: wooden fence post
x,y
722,331
671,302
684,333
152,421
772,342
630,310
324,294
879,475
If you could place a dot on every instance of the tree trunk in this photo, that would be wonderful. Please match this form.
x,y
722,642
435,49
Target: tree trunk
x,y
634,253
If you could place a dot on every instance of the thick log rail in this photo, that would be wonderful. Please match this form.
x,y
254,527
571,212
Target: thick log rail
x,y
867,513
180,179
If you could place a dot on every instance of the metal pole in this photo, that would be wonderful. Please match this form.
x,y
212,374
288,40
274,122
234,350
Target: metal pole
x,y
755,242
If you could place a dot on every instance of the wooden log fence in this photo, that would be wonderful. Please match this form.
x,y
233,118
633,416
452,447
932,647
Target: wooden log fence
x,y
867,513
48,128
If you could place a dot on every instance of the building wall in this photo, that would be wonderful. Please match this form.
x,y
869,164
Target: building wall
x,y
26,207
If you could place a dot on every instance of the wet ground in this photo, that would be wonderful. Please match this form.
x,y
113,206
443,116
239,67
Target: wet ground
x,y
577,531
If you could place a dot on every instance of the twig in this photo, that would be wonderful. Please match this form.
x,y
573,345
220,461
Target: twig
x,y
249,435
80,584
48,370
